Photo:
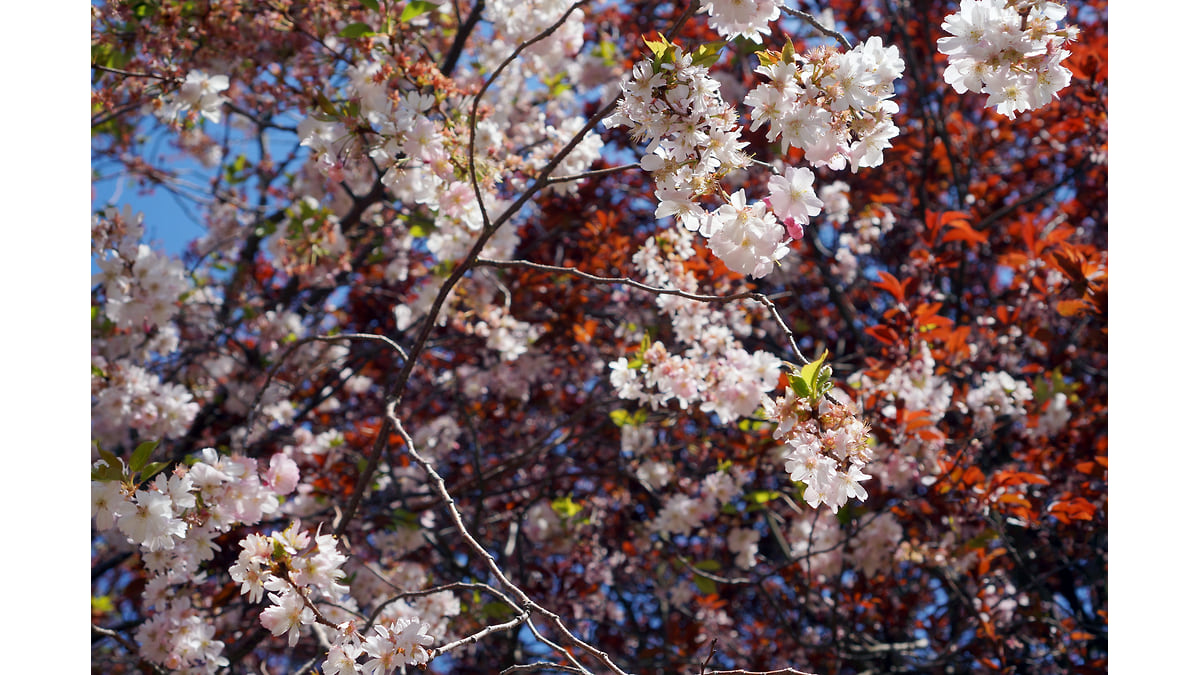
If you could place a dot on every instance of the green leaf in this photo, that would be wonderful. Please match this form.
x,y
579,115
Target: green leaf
x,y
708,565
112,460
981,540
620,417
762,496
658,47
414,9
558,85
789,51
708,54
799,386
357,30
326,105
97,372
767,57
107,473
846,514
141,455
102,603
151,470
707,586
566,507
607,51
813,380
811,371
371,4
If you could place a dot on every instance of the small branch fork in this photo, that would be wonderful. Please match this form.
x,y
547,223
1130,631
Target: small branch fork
x,y
720,299
712,649
812,20
521,599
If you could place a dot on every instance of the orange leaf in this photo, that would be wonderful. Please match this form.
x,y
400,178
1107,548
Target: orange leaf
x,y
585,332
892,285
961,231
1074,307
1076,508
1013,499
883,333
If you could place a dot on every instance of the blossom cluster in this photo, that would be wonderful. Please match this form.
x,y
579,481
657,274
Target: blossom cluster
x,y
999,395
750,19
199,93
693,140
913,389
829,446
861,239
834,106
715,370
683,512
141,286
1011,50
174,521
292,566
127,396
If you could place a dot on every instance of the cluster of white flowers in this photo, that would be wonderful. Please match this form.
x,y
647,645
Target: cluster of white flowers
x,y
875,545
834,106
141,286
1055,415
744,542
126,396
200,93
516,21
817,542
715,370
178,638
174,521
729,383
999,395
914,387
292,566
505,333
865,233
693,141
682,513
793,200
1011,50
829,447
750,19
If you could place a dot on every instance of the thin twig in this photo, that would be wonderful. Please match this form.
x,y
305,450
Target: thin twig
x,y
367,337
744,295
812,20
126,73
540,665
592,174
527,603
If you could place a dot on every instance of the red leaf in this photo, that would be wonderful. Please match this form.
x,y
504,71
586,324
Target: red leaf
x,y
1076,508
961,231
883,333
893,285
1074,307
